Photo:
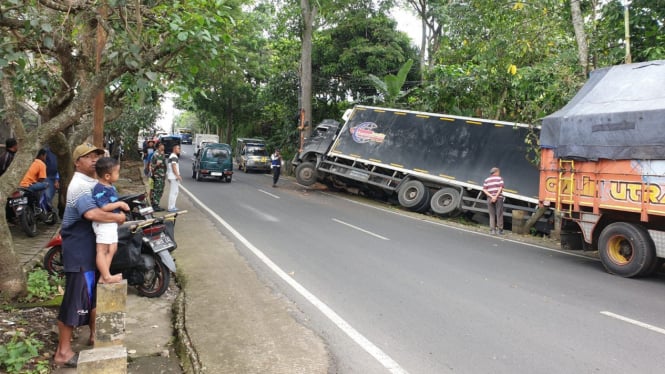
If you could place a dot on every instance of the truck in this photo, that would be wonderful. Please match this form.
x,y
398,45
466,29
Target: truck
x,y
603,167
427,160
252,154
204,138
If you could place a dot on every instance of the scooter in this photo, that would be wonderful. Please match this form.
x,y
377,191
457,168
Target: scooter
x,y
144,250
28,208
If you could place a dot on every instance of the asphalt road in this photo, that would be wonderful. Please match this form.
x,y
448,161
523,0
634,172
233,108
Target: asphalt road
x,y
391,293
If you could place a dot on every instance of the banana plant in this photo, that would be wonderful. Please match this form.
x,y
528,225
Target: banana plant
x,y
391,85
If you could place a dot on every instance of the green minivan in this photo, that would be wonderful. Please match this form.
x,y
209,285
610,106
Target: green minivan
x,y
213,161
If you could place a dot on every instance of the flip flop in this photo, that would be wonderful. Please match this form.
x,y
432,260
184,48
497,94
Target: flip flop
x,y
71,363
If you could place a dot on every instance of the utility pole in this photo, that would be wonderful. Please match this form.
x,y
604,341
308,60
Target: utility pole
x,y
626,21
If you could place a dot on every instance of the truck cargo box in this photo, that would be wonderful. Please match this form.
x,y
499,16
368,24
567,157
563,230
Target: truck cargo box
x,y
458,150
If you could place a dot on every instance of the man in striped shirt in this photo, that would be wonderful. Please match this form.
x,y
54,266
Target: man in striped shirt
x,y
493,188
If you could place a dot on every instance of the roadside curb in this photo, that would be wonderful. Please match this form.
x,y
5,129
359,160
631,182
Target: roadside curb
x,y
189,359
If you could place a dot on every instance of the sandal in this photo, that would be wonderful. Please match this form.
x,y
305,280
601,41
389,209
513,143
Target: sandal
x,y
71,363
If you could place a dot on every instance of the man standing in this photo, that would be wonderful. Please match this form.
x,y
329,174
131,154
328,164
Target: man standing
x,y
493,188
52,175
35,178
11,147
158,171
174,177
148,149
78,306
276,166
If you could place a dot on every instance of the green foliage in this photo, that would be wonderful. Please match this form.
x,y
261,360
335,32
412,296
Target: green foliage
x,y
647,32
18,352
391,85
42,285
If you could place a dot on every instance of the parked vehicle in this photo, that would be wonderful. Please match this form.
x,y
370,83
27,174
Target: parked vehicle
x,y
252,154
186,138
169,142
144,250
139,210
603,167
28,208
200,138
213,161
430,161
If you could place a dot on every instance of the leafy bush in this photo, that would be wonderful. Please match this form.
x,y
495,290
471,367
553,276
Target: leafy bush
x,y
20,351
42,285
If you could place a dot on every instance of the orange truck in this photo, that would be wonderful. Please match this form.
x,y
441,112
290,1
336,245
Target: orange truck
x,y
603,166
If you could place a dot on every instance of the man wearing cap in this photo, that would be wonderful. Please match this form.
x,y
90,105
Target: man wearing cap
x,y
493,188
79,254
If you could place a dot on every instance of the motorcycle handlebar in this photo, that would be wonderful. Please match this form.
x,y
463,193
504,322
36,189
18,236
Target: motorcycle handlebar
x,y
139,225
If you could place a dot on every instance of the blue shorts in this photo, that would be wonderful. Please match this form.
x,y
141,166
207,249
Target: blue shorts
x,y
79,298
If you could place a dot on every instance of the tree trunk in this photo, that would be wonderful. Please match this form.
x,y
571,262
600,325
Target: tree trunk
x,y
308,15
534,218
12,279
580,36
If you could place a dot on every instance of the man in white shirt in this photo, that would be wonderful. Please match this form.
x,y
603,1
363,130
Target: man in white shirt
x,y
173,170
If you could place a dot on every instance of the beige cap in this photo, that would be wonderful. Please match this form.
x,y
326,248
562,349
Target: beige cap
x,y
85,149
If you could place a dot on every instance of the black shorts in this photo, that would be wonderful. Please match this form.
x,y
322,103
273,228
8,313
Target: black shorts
x,y
79,298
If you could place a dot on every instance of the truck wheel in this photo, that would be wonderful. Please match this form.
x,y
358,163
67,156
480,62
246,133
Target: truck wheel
x,y
198,176
412,194
626,249
445,201
306,174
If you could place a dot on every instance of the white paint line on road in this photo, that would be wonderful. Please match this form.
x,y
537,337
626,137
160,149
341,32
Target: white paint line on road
x,y
369,347
460,228
634,322
264,216
360,229
269,194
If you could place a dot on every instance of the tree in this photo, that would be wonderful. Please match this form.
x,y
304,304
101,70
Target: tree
x,y
308,17
580,35
47,56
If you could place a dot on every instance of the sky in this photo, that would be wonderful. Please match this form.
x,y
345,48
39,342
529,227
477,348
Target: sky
x,y
408,23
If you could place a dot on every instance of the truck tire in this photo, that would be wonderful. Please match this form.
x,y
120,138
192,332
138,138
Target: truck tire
x,y
306,174
445,201
626,249
412,194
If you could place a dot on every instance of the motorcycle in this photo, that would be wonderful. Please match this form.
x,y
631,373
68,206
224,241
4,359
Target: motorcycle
x,y
28,208
144,250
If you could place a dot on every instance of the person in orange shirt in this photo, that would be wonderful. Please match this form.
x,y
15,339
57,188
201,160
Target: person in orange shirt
x,y
35,178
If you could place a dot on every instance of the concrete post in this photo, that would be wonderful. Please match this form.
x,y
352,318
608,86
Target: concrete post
x,y
109,355
110,321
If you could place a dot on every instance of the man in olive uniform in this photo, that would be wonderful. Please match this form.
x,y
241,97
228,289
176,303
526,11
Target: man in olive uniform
x,y
158,169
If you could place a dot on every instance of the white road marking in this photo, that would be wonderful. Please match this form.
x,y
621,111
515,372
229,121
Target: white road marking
x,y
360,229
369,347
634,322
459,228
259,213
269,194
